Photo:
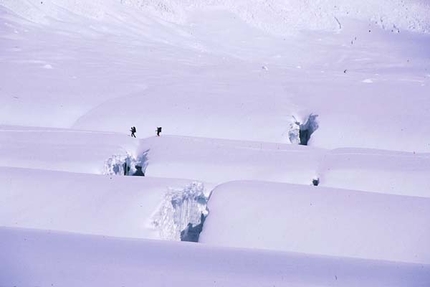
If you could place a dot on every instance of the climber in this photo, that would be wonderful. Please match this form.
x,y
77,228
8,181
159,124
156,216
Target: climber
x,y
133,131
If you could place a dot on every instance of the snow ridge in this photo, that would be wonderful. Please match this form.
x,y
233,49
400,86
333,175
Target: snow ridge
x,y
283,17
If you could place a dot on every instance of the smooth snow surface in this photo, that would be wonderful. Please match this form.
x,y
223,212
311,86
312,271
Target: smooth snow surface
x,y
92,204
319,221
231,83
203,76
73,259
219,161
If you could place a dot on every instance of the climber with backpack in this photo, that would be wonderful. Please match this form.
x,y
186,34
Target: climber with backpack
x,y
133,131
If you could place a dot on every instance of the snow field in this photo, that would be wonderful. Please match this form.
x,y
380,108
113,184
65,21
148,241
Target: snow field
x,y
274,16
92,204
226,80
317,220
159,73
49,257
61,149
219,161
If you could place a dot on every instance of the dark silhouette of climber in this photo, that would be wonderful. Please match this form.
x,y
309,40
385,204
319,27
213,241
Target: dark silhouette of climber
x,y
133,131
158,131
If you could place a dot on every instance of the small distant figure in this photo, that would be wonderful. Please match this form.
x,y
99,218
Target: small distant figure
x,y
158,131
133,132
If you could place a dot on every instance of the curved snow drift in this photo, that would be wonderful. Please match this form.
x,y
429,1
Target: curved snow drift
x,y
324,221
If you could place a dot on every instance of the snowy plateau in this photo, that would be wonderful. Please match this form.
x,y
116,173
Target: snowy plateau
x,y
293,149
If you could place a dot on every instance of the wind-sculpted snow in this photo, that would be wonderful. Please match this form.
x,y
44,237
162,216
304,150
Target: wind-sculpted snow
x,y
44,11
285,16
218,161
66,150
50,258
212,75
318,220
274,16
84,203
232,83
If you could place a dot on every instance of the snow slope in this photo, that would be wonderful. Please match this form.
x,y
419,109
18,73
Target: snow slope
x,y
103,205
320,221
63,149
215,161
213,75
230,82
270,15
219,161
72,259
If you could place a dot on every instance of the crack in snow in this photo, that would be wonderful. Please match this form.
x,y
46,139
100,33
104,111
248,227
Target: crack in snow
x,y
126,164
301,133
181,214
